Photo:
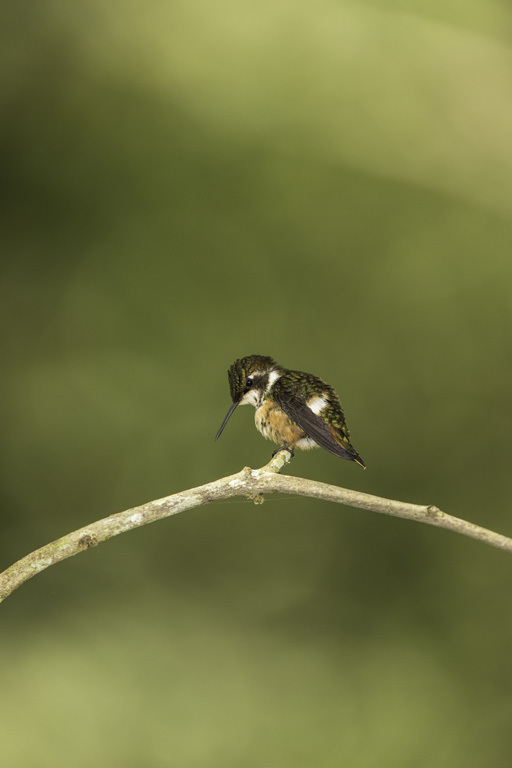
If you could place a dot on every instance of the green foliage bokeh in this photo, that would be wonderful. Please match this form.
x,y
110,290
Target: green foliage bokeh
x,y
185,183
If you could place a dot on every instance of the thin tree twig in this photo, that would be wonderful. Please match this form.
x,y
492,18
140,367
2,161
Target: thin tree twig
x,y
252,483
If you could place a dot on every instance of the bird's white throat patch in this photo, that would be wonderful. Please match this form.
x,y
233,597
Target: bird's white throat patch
x,y
252,397
255,396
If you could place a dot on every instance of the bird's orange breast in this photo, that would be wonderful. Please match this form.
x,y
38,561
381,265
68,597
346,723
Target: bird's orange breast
x,y
274,424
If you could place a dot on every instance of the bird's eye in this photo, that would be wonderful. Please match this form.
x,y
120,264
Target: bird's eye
x,y
249,382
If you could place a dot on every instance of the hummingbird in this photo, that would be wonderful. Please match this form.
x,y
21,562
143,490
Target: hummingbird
x,y
293,408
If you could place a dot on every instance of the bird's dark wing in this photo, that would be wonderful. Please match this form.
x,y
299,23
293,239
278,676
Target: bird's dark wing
x,y
297,410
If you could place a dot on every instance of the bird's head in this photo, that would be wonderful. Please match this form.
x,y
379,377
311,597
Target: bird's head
x,y
249,379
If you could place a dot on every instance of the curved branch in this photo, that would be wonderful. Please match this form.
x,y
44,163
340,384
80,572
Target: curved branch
x,y
252,483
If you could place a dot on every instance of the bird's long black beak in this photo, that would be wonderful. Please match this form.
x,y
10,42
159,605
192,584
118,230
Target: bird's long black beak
x,y
226,419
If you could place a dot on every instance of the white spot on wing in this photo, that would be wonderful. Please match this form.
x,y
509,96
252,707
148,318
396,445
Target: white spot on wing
x,y
317,404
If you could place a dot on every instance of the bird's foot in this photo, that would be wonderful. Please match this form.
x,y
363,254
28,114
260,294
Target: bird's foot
x,y
284,448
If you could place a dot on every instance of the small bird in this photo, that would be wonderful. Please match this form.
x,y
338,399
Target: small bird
x,y
294,409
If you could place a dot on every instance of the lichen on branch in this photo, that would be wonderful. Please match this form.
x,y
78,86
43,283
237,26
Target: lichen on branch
x,y
251,483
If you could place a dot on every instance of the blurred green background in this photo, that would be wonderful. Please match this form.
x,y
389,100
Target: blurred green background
x,y
188,182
